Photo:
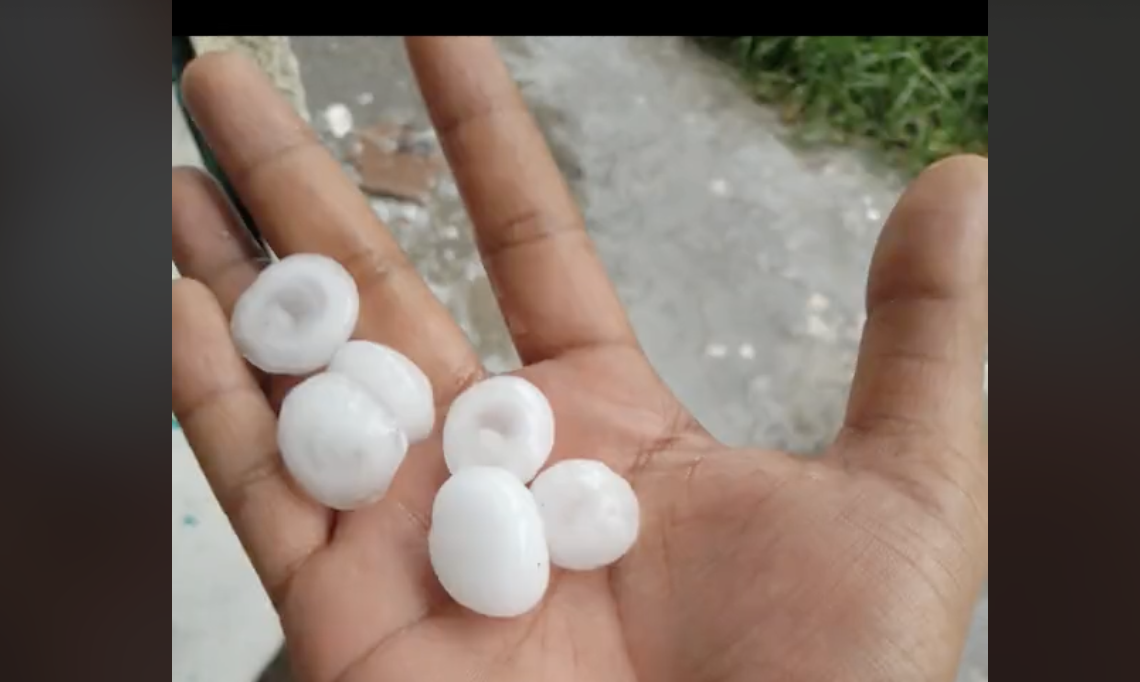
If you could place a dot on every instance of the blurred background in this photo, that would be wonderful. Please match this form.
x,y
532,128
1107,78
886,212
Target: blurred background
x,y
735,188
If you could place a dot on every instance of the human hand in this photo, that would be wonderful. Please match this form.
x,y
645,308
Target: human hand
x,y
861,566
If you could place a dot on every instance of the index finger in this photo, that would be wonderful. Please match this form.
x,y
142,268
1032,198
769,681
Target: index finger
x,y
304,202
552,287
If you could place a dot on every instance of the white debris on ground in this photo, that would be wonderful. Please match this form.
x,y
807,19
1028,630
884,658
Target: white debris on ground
x,y
720,189
874,214
338,121
717,351
818,303
820,330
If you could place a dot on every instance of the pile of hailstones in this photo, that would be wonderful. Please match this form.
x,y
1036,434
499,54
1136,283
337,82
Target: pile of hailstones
x,y
344,433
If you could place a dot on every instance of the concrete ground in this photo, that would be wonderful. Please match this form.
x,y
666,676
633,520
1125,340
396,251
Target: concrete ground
x,y
742,261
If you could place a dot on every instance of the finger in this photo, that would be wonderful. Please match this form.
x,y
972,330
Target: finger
x,y
920,377
551,285
304,203
232,431
209,242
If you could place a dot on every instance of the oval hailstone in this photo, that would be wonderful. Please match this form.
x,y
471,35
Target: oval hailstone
x,y
394,381
296,315
341,446
487,543
505,422
591,515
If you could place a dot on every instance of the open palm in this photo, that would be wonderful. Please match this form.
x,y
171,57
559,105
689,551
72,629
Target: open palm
x,y
753,565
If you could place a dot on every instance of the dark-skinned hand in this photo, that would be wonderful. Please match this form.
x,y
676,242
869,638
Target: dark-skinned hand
x,y
753,565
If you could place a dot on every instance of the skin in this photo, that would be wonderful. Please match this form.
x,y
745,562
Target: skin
x,y
861,566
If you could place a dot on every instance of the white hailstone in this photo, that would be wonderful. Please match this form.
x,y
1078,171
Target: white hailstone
x,y
487,543
591,515
505,422
296,315
394,381
341,446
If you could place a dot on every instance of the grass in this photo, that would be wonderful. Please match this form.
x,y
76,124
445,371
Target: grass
x,y
914,99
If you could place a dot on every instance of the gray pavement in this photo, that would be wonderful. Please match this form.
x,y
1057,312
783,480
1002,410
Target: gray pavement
x,y
742,263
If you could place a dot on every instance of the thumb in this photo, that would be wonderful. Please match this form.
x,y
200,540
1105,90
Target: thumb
x,y
917,408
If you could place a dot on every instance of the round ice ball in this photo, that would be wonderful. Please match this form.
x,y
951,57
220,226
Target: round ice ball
x,y
591,515
487,543
296,315
505,422
340,445
394,381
